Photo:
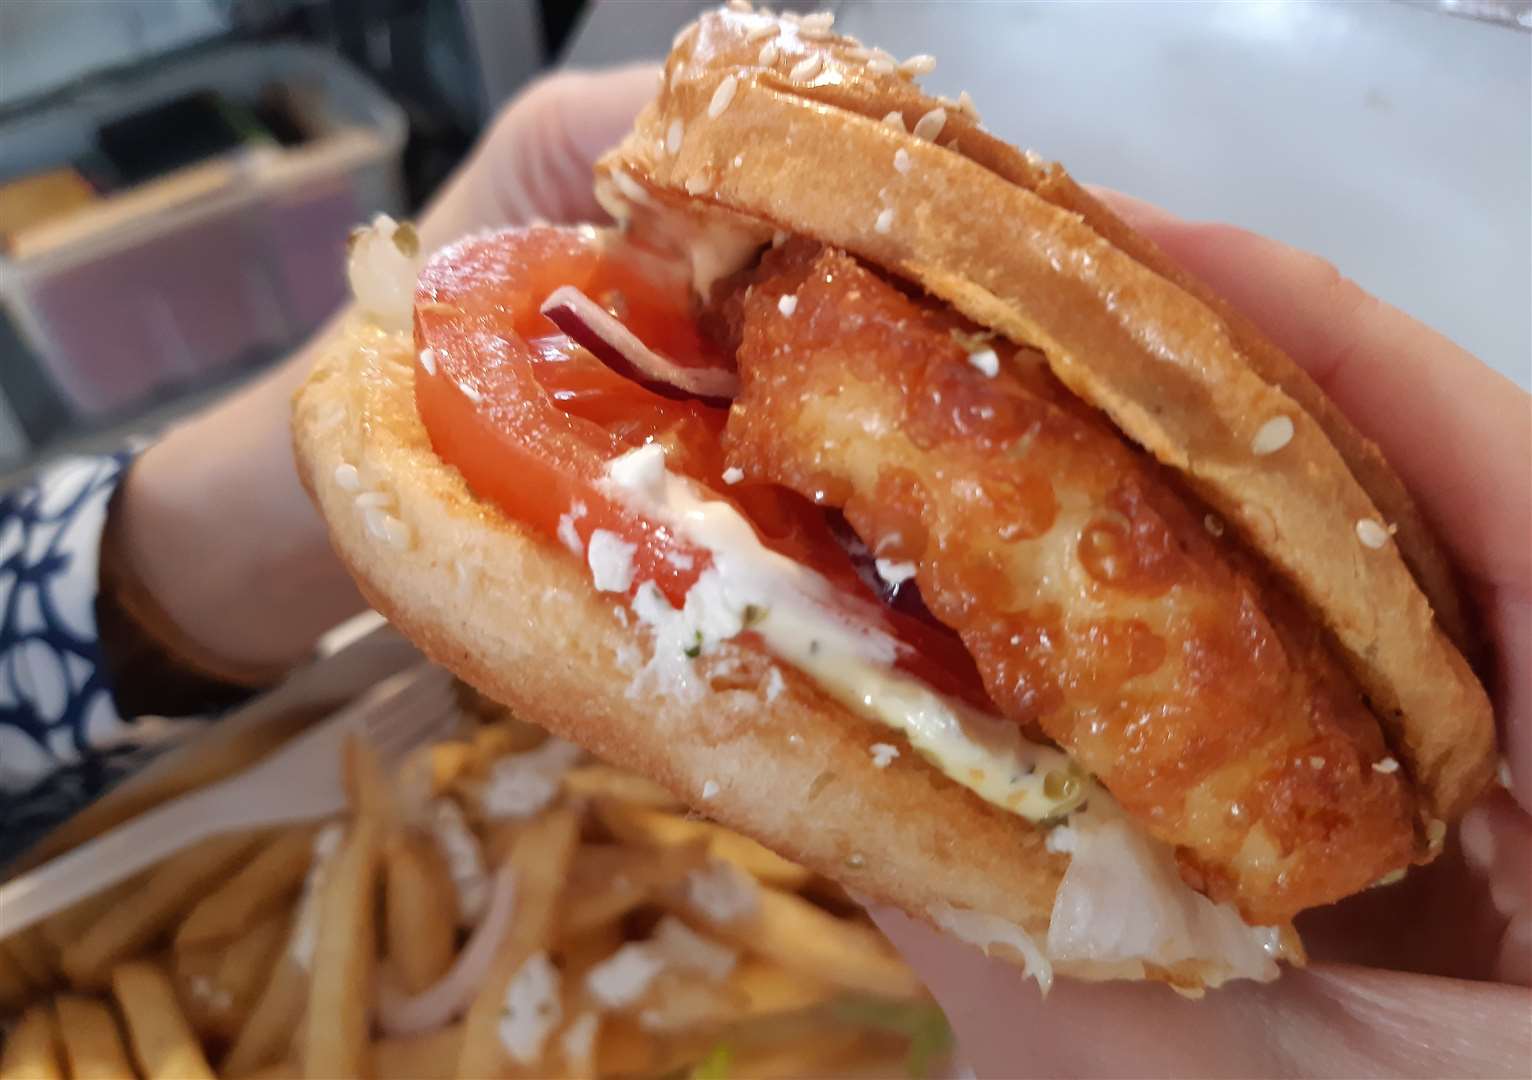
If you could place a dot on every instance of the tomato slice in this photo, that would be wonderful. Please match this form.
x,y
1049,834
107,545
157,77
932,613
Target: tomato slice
x,y
532,420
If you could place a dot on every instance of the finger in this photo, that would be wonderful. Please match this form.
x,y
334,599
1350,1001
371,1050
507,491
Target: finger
x,y
1327,1021
1458,433
535,162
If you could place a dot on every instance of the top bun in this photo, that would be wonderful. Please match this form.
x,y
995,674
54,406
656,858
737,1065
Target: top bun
x,y
778,123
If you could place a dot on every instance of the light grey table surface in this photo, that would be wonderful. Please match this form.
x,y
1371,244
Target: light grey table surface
x,y
1392,139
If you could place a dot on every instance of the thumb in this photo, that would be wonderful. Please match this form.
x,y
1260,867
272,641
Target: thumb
x,y
1329,1020
535,160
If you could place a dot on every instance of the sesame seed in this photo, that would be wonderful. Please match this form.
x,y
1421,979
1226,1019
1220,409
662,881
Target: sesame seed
x,y
471,392
818,20
1387,765
1317,762
918,65
428,360
985,360
930,125
739,159
902,160
895,119
885,220
880,66
733,474
768,54
1371,533
778,238
1503,774
347,477
630,187
807,68
373,498
1272,436
710,789
787,304
697,185
743,7
673,135
397,533
721,97
1213,524
857,52
855,861
766,29
965,105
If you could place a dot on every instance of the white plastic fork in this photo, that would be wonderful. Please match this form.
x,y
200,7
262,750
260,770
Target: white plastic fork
x,y
300,781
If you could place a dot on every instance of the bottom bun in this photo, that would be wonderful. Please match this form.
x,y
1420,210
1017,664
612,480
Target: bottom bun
x,y
518,618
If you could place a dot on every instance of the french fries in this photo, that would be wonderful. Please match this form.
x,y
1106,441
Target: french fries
x,y
799,937
273,877
654,828
93,1045
125,930
262,954
33,1050
420,911
340,991
164,1044
539,860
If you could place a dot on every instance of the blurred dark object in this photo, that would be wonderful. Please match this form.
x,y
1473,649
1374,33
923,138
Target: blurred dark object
x,y
171,135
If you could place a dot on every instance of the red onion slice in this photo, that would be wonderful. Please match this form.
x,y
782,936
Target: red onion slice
x,y
598,330
440,1004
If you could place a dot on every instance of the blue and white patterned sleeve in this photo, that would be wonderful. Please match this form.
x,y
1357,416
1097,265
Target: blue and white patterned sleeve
x,y
62,741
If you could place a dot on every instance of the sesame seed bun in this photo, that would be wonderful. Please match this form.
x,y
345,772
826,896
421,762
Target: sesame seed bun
x,y
518,618
821,137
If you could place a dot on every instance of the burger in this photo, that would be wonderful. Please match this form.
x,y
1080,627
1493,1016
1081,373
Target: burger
x,y
872,486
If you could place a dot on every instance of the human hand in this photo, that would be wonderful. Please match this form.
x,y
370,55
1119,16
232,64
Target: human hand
x,y
212,519
1426,977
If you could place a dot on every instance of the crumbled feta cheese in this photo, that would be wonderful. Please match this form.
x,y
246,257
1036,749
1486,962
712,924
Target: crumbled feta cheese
x,y
787,304
883,753
985,361
894,572
774,684
465,859
579,1042
733,475
532,1009
523,784
1387,765
624,977
722,892
611,561
567,534
682,947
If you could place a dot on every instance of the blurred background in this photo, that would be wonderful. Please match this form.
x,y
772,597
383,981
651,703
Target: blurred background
x,y
177,177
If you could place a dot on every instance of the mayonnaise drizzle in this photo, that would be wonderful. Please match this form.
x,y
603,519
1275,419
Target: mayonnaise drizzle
x,y
805,622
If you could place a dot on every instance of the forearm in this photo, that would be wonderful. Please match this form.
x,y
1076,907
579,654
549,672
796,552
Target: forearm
x,y
215,525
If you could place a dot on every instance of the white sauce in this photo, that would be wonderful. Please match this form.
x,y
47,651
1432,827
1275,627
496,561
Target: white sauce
x,y
804,621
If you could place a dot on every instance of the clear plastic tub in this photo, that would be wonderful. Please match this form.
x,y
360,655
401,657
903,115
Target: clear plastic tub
x,y
230,259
